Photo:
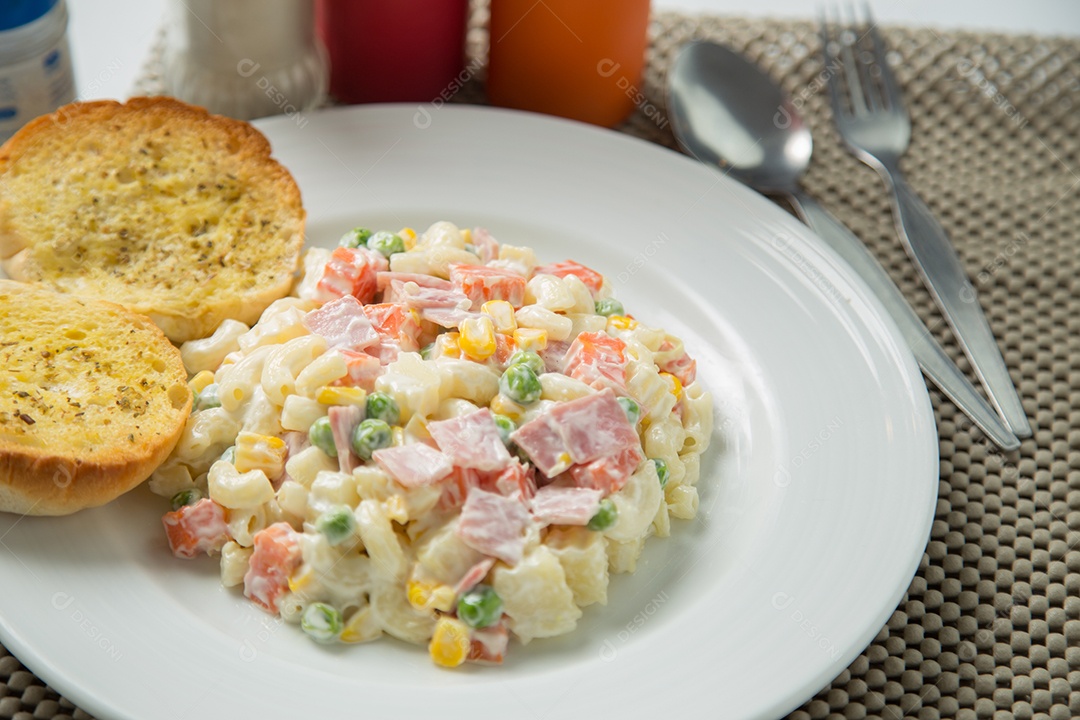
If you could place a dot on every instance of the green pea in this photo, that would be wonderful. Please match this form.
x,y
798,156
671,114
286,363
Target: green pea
x,y
321,622
338,524
425,352
631,408
469,247
386,243
322,437
528,357
605,516
520,384
481,607
505,426
207,399
380,406
186,497
662,471
608,307
371,435
357,237
229,455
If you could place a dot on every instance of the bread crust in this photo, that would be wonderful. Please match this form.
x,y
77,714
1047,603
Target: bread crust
x,y
49,480
177,314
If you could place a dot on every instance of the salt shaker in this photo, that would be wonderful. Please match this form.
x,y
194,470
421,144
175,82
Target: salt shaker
x,y
245,58
35,62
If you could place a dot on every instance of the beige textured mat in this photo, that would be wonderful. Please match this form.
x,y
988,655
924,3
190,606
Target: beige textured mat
x,y
990,625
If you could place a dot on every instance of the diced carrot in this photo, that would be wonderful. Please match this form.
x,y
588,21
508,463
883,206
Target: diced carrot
x,y
196,528
505,347
592,279
488,645
350,271
481,283
516,480
276,555
395,322
597,359
681,366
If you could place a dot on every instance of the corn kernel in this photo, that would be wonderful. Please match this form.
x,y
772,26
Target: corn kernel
x,y
361,626
533,339
621,322
397,436
502,405
260,452
200,381
477,337
419,594
447,345
442,598
466,235
341,395
301,580
676,385
502,316
450,642
408,235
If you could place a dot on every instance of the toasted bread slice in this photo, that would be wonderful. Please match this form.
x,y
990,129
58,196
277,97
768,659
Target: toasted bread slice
x,y
154,204
93,398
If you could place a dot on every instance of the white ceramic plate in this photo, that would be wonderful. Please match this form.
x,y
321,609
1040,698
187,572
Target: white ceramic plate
x,y
816,497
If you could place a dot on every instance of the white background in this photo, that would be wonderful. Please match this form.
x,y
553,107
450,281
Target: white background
x,y
111,38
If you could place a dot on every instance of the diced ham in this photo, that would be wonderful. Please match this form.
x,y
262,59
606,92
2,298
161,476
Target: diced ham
x,y
343,324
447,317
552,355
397,323
576,432
592,279
553,505
473,576
196,528
362,368
481,283
350,271
471,441
414,465
544,445
608,474
594,426
678,364
487,247
494,525
276,556
343,420
598,360
446,308
385,280
489,645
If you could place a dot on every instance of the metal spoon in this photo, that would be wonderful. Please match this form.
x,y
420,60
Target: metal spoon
x,y
726,111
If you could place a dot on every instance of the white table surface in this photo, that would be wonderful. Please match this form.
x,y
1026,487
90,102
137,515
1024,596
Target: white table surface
x,y
111,38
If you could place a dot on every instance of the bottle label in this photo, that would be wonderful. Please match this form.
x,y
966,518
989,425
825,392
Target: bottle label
x,y
34,87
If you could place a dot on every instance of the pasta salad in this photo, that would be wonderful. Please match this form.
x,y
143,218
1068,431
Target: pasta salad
x,y
438,438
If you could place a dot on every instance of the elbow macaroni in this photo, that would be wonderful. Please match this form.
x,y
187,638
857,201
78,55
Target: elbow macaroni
x,y
393,557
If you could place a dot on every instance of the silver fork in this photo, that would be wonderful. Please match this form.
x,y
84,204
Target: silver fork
x,y
874,124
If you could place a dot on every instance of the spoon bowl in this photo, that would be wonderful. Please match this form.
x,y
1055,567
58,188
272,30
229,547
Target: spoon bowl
x,y
726,111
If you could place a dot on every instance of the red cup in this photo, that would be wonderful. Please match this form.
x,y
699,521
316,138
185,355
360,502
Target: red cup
x,y
392,50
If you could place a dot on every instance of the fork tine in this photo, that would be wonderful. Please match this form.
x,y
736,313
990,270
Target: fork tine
x,y
830,60
865,61
893,97
851,73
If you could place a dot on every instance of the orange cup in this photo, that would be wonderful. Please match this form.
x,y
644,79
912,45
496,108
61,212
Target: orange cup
x,y
579,59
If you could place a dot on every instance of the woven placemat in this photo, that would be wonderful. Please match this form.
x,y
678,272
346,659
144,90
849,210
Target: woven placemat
x,y
990,625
